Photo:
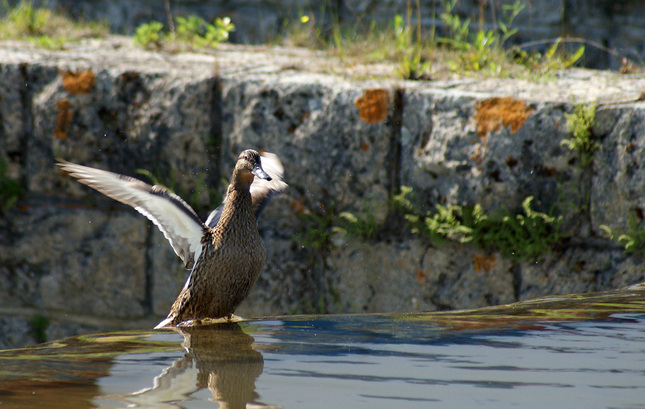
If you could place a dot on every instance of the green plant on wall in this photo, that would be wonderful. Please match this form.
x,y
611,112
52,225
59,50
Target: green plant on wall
x,y
579,125
317,228
360,225
320,228
442,225
633,240
527,235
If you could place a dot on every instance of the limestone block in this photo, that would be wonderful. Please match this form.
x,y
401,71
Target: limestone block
x,y
12,115
16,332
626,271
574,271
331,156
18,84
378,277
124,120
580,270
453,154
77,260
618,186
462,276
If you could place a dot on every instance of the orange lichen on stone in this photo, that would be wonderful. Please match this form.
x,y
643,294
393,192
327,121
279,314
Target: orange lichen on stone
x,y
372,106
63,119
297,206
484,263
495,112
421,276
81,82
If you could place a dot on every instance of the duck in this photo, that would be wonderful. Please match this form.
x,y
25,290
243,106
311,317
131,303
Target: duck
x,y
224,253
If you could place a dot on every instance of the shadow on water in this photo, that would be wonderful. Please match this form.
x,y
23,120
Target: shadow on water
x,y
568,351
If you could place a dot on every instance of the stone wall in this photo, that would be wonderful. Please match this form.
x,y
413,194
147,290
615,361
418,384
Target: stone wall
x,y
606,24
86,263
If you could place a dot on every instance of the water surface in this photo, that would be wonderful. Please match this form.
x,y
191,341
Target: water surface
x,y
584,351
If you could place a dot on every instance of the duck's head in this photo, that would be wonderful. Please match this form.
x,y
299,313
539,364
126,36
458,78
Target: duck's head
x,y
249,165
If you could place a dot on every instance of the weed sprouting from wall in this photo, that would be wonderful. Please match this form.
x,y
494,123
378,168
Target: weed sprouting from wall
x,y
633,240
579,125
523,236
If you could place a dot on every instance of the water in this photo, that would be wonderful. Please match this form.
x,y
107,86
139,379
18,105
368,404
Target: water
x,y
567,352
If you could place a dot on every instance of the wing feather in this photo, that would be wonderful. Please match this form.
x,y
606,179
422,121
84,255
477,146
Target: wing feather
x,y
173,216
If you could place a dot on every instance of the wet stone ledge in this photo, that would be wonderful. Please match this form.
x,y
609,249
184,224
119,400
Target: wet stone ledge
x,y
67,252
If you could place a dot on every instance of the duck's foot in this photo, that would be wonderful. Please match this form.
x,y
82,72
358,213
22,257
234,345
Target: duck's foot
x,y
228,318
167,323
191,323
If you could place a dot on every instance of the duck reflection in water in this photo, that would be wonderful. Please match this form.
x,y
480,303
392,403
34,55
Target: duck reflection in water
x,y
219,357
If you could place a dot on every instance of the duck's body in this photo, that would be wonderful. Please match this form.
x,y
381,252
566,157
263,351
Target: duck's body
x,y
232,257
226,253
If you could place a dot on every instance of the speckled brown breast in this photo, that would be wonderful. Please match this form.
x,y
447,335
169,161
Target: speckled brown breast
x,y
231,261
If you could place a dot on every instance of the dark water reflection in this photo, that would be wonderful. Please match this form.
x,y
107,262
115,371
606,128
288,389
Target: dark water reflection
x,y
583,351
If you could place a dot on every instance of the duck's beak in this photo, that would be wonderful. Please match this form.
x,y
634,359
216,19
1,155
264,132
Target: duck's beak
x,y
259,172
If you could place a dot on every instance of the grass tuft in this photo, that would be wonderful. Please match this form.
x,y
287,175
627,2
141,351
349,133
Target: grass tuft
x,y
45,28
191,32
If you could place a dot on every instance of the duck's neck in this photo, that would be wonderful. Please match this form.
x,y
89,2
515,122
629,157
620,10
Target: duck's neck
x,y
238,203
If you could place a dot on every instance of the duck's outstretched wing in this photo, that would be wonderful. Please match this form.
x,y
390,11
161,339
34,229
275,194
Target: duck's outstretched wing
x,y
175,218
261,190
